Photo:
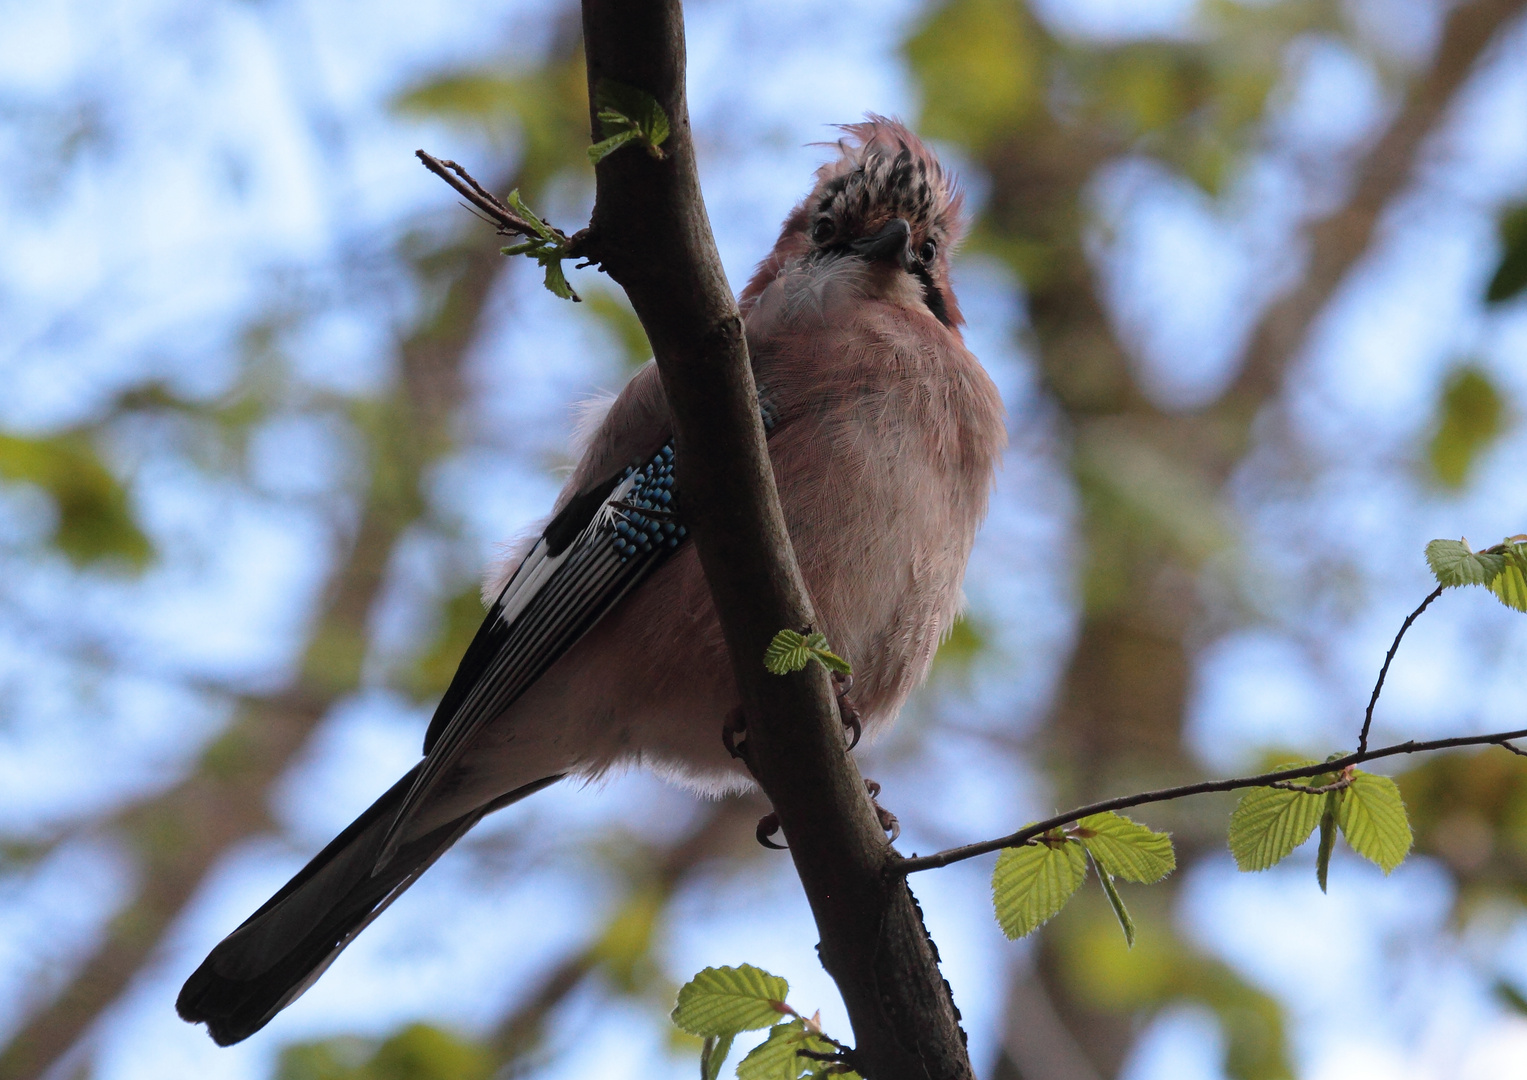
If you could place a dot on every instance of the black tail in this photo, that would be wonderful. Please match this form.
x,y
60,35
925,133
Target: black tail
x,y
280,950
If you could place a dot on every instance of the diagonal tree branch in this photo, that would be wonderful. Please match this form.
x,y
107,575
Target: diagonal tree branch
x,y
651,233
1338,241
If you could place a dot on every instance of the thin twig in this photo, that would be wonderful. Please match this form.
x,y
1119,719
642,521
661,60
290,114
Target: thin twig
x,y
1325,789
508,222
1030,833
1362,738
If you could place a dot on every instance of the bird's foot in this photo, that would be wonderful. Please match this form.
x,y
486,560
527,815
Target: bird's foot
x,y
735,724
847,711
768,825
887,819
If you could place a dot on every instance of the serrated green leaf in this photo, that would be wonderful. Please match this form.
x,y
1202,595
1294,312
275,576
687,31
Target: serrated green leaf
x,y
1510,585
1125,848
1031,884
778,1056
605,147
1115,901
1372,818
713,1055
820,652
786,653
556,281
1269,823
626,111
1453,564
726,1000
1327,838
543,230
791,651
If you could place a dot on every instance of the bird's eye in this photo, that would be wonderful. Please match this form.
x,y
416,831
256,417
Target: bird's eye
x,y
821,232
927,251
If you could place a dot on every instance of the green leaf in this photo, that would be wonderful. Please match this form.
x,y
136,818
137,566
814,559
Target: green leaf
x,y
1125,848
1269,823
1031,884
556,281
1327,838
1454,563
787,653
713,1055
1372,818
821,653
726,1000
1510,276
1510,585
605,147
778,1056
543,230
791,651
627,114
1115,901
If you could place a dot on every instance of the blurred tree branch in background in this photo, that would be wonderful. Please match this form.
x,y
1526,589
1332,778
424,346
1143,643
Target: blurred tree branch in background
x,y
179,835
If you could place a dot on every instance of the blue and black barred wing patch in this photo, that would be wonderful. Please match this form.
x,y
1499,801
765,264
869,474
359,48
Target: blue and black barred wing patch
x,y
600,547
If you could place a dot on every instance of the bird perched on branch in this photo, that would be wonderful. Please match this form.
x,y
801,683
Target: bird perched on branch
x,y
601,647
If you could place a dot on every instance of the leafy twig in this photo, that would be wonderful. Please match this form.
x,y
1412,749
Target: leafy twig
x,y
545,243
1030,833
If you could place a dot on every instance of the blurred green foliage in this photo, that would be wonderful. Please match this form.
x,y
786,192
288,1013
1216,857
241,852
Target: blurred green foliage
x,y
982,70
95,523
1471,418
435,664
1470,810
544,109
1163,968
418,1052
1510,276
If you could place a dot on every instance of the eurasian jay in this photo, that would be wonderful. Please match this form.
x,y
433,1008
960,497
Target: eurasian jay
x,y
601,647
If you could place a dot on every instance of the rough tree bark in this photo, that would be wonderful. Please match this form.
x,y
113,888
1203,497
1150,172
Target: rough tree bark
x,y
651,234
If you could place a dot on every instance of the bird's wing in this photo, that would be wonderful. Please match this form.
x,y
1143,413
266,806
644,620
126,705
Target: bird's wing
x,y
599,547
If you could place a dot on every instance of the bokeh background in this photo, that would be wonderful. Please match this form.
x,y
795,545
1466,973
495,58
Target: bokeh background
x,y
1247,273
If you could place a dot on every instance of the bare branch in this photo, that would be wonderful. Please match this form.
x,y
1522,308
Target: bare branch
x,y
509,223
1362,738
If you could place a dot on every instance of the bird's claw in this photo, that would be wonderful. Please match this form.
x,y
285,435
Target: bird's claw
x,y
768,825
734,724
847,711
888,821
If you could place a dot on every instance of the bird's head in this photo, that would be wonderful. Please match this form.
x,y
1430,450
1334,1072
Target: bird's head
x,y
885,201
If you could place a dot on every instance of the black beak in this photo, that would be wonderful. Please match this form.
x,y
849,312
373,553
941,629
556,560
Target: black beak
x,y
893,244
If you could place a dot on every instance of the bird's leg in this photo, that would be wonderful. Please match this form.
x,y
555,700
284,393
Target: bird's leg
x,y
887,819
736,723
848,713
